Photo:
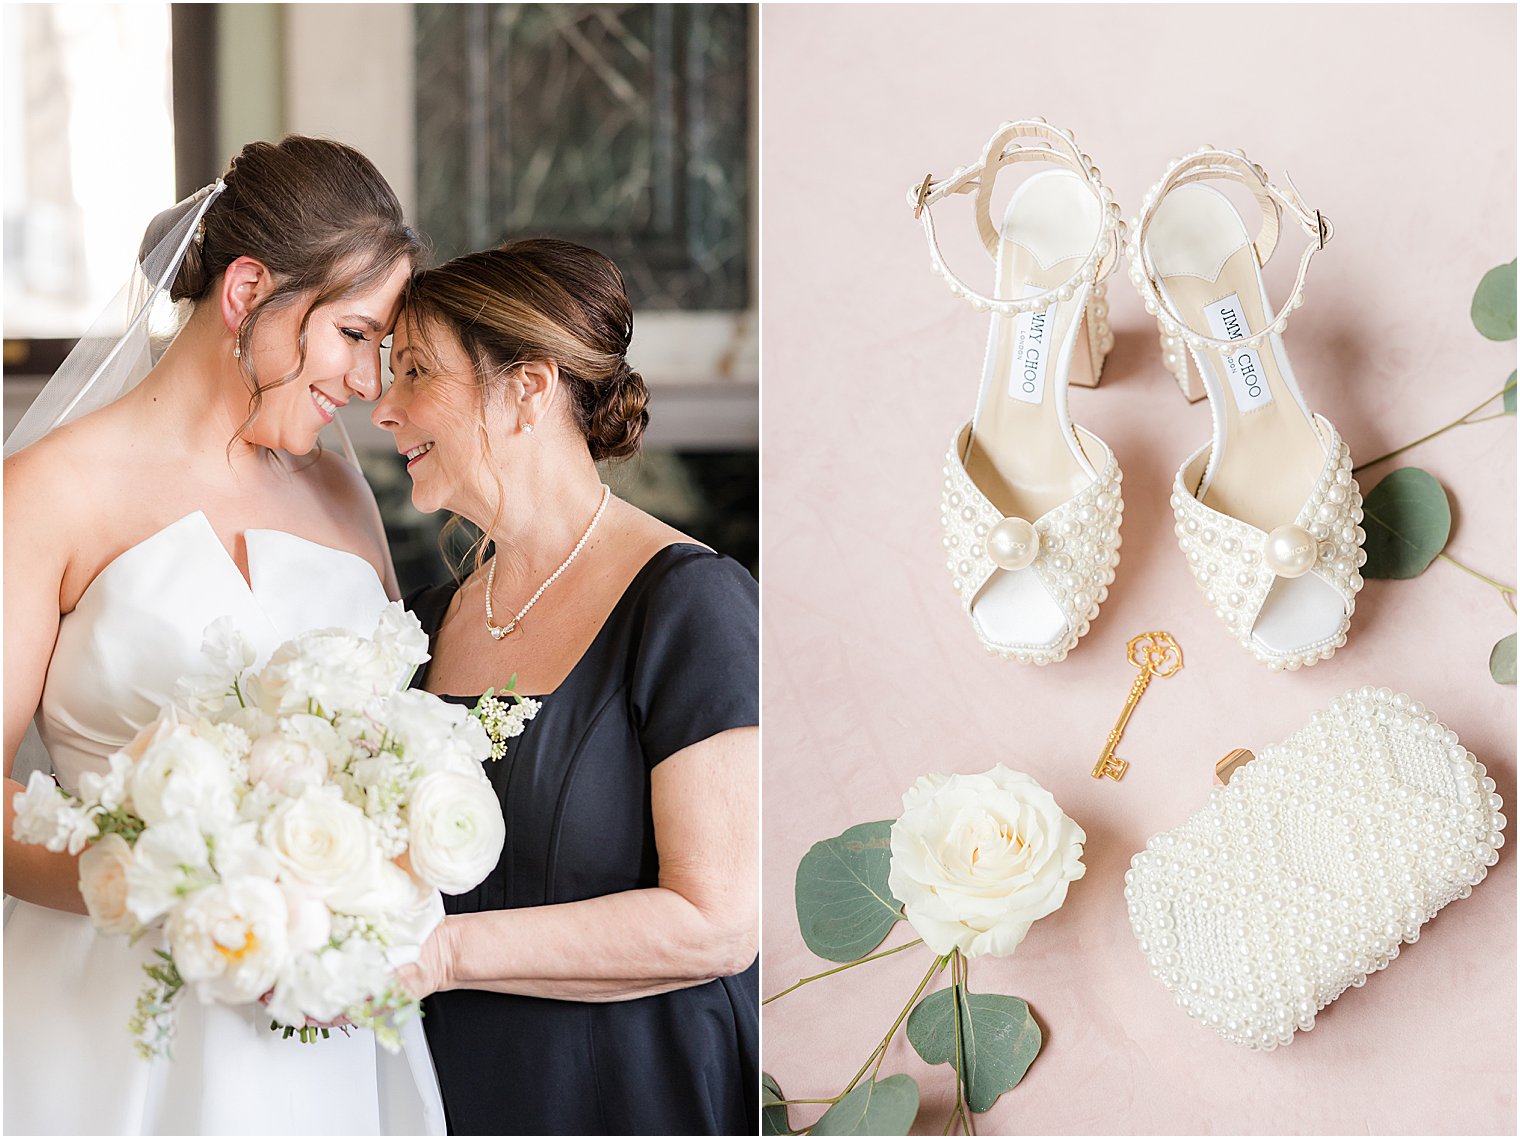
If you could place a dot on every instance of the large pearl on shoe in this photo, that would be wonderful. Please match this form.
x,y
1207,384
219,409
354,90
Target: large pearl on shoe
x,y
1290,551
1013,543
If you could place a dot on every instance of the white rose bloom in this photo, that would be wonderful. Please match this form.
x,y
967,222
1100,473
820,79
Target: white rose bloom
x,y
103,882
323,984
183,773
45,815
286,765
229,941
457,831
170,861
323,844
977,859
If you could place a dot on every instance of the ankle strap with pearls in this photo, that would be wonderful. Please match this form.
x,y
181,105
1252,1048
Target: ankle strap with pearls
x,y
1209,164
1026,140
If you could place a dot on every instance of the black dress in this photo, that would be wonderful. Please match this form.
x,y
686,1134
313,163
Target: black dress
x,y
675,663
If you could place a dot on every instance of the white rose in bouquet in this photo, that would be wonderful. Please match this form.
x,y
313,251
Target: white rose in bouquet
x,y
457,830
405,907
170,861
45,815
229,940
323,843
977,859
103,883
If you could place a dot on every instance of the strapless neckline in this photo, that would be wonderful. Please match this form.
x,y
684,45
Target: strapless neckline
x,y
248,583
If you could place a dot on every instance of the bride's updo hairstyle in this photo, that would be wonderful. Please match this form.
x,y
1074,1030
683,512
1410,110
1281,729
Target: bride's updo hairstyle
x,y
316,213
541,299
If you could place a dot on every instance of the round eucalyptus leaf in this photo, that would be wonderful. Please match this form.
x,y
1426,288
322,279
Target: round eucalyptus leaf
x,y
1509,395
1501,662
773,1120
843,904
876,1107
1407,521
999,1040
1493,305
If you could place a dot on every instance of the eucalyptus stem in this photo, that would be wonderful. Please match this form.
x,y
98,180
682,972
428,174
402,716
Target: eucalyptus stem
x,y
962,1093
1458,422
841,969
881,1049
1505,591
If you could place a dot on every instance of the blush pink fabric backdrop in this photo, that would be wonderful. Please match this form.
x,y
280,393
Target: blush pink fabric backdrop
x,y
1398,122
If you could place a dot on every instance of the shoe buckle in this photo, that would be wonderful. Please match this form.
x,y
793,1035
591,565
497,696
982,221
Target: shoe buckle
x,y
921,195
1326,230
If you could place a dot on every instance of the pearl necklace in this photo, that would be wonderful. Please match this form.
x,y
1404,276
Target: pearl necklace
x,y
500,631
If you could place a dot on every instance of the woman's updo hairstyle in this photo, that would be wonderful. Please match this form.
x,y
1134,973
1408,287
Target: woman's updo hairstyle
x,y
545,299
318,215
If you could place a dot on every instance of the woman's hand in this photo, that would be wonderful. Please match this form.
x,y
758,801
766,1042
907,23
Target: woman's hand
x,y
432,971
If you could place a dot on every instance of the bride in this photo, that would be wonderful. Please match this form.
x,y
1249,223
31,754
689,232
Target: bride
x,y
199,493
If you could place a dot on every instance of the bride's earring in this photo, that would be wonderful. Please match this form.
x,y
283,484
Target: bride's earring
x,y
237,344
527,428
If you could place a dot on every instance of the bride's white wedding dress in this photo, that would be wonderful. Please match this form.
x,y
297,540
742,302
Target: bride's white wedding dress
x,y
70,1063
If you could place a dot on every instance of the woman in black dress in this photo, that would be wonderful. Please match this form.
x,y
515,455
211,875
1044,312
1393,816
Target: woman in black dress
x,y
602,980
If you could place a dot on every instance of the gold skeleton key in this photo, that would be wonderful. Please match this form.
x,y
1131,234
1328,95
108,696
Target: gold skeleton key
x,y
1154,654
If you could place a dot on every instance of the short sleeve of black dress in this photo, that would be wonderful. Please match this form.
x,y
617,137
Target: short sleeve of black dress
x,y
695,670
674,663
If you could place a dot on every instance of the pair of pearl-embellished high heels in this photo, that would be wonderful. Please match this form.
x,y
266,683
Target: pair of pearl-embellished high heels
x,y
1267,513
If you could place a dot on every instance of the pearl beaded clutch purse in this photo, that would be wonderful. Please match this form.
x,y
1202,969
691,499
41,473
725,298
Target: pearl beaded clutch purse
x,y
1303,874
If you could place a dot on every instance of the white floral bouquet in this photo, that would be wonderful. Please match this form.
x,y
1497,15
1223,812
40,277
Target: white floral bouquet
x,y
288,828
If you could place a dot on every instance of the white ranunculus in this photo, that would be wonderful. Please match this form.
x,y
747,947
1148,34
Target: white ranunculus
x,y
457,831
326,983
103,882
183,772
170,861
45,815
286,765
977,859
323,844
229,941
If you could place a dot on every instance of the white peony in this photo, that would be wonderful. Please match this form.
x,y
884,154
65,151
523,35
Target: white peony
x,y
103,882
323,844
977,859
333,668
46,815
170,861
457,831
184,772
229,941
286,765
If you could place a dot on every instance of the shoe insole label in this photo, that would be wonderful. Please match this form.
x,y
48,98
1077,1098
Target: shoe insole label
x,y
1032,350
1244,372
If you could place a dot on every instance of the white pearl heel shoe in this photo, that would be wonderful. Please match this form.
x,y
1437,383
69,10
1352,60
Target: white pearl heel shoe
x,y
1031,504
1267,513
